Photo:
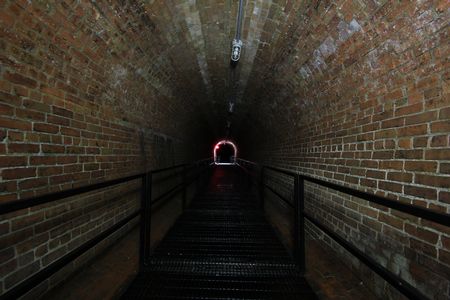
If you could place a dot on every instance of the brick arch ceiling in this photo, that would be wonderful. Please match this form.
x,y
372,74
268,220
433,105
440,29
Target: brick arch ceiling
x,y
185,46
302,60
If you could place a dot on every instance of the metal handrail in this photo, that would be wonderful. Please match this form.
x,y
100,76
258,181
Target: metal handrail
x,y
15,205
18,204
145,210
417,211
299,246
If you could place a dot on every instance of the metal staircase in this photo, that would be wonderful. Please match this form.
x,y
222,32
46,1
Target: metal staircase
x,y
222,247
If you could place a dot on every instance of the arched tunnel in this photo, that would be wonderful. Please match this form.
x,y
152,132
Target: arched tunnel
x,y
229,149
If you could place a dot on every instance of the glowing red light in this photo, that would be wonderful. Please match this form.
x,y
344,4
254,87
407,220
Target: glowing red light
x,y
222,143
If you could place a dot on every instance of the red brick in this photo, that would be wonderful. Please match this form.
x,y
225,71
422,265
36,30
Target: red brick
x,y
438,181
420,142
52,91
437,154
376,174
444,197
439,141
61,179
425,117
421,166
405,143
23,148
383,155
70,131
49,171
29,114
400,176
387,133
422,234
390,186
423,247
62,112
6,110
44,127
397,122
8,187
443,126
53,149
13,161
444,168
20,79
33,183
58,120
390,220
28,220
34,105
411,109
444,256
18,173
15,124
409,154
63,160
42,160
444,113
414,130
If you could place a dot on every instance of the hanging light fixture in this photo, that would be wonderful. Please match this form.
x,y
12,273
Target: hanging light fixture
x,y
236,45
236,50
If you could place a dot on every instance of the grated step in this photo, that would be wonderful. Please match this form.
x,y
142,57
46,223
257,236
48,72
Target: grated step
x,y
222,247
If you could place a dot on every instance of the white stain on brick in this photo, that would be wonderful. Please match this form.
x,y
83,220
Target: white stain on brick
x,y
253,40
117,75
328,47
347,30
305,72
194,25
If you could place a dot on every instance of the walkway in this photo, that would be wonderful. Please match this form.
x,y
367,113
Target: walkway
x,y
222,247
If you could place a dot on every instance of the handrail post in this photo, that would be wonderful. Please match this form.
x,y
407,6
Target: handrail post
x,y
261,187
249,177
299,223
144,249
148,217
184,199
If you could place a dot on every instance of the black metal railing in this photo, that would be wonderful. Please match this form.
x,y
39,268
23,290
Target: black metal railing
x,y
254,170
197,168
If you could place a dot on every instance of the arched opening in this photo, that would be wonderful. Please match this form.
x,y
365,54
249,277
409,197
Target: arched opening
x,y
225,153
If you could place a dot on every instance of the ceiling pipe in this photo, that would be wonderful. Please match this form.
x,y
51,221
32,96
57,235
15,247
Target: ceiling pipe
x,y
236,50
236,47
239,19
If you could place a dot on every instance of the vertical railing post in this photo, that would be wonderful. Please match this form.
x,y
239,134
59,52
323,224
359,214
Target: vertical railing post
x,y
249,175
198,175
299,223
261,187
145,222
184,199
148,217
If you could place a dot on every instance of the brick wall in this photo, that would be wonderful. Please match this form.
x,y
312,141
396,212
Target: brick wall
x,y
89,91
357,93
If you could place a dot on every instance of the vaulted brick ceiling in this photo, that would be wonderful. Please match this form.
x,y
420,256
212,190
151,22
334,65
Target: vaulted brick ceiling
x,y
186,45
299,57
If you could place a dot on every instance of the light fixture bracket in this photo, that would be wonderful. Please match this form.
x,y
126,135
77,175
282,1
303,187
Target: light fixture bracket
x,y
236,49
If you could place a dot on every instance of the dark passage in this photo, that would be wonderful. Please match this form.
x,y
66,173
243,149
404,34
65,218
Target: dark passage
x,y
225,154
222,247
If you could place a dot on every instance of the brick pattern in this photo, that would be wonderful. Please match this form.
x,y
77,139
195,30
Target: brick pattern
x,y
356,92
88,92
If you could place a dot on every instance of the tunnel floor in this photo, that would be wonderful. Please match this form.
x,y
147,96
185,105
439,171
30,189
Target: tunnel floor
x,y
222,247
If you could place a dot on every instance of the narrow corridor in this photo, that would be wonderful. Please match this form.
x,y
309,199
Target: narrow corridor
x,y
114,112
222,247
